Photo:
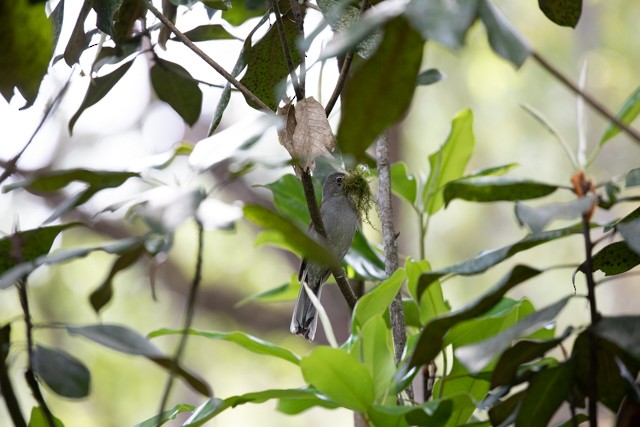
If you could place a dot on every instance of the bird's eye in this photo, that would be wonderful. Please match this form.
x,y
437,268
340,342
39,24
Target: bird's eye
x,y
339,180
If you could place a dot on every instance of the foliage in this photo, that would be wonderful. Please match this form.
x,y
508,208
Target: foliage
x,y
497,356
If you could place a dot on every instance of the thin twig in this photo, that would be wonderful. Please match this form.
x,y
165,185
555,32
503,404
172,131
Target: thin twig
x,y
188,318
342,79
8,394
206,58
588,98
287,51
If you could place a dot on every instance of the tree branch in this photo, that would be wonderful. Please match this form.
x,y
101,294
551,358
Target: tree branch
x,y
287,51
342,79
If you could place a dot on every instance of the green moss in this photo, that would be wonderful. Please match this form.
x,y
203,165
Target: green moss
x,y
356,187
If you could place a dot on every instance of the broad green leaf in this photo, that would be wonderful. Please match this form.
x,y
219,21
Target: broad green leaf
x,y
446,22
433,414
615,258
503,37
378,355
175,86
364,260
251,343
292,235
26,37
492,189
449,162
504,413
627,114
490,258
630,231
39,419
403,183
432,304
168,415
63,373
566,12
105,9
379,93
242,10
376,302
429,77
267,65
430,339
125,340
98,88
539,217
547,390
476,356
463,389
203,33
340,377
288,198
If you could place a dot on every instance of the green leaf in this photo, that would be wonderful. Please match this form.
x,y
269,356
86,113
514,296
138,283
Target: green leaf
x,y
38,419
433,414
432,304
477,356
403,183
218,4
340,377
379,93
175,86
376,302
378,355
105,9
365,261
26,37
504,413
627,114
267,66
446,22
492,189
615,258
203,33
63,373
251,343
632,178
623,331
547,390
503,37
579,419
168,415
98,88
429,77
450,161
630,231
125,340
288,198
565,12
430,339
286,292
242,10
539,217
295,238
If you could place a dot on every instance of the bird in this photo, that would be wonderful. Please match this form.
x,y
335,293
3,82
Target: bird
x,y
340,220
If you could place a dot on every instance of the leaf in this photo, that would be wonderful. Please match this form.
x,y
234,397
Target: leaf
x,y
432,304
538,218
78,41
38,419
627,114
307,134
450,161
98,88
125,340
429,341
203,33
105,9
403,183
339,376
613,259
168,415
547,390
565,12
380,92
365,261
239,12
63,373
251,343
429,77
435,413
376,302
476,357
632,178
286,292
623,331
446,22
579,419
26,37
267,66
175,86
630,231
503,37
295,238
492,189
378,355
504,413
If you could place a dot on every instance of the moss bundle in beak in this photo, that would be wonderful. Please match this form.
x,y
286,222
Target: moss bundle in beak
x,y
356,187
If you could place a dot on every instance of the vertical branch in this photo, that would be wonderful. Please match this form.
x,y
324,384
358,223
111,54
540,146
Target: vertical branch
x,y
6,387
188,318
298,13
287,51
385,210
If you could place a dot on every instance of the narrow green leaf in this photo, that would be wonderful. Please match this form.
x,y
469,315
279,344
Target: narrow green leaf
x,y
63,373
203,33
175,86
449,162
286,292
429,77
78,41
376,302
251,343
446,22
403,183
566,12
503,37
613,259
379,93
340,377
365,260
168,415
98,89
627,114
292,235
38,419
492,189
125,340
539,217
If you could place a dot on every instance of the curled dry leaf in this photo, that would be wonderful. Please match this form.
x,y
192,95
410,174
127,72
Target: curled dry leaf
x,y
306,134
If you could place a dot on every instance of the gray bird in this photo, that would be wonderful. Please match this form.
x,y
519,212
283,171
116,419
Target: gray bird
x,y
340,221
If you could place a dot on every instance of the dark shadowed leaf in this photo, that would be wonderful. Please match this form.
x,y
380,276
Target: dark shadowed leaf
x,y
203,33
433,414
504,413
503,37
63,373
566,12
168,415
39,419
403,183
492,189
105,9
429,77
627,114
446,22
125,340
78,41
98,88
251,343
579,420
175,86
623,331
380,92
613,259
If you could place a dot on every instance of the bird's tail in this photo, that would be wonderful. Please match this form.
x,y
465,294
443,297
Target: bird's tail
x,y
305,316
